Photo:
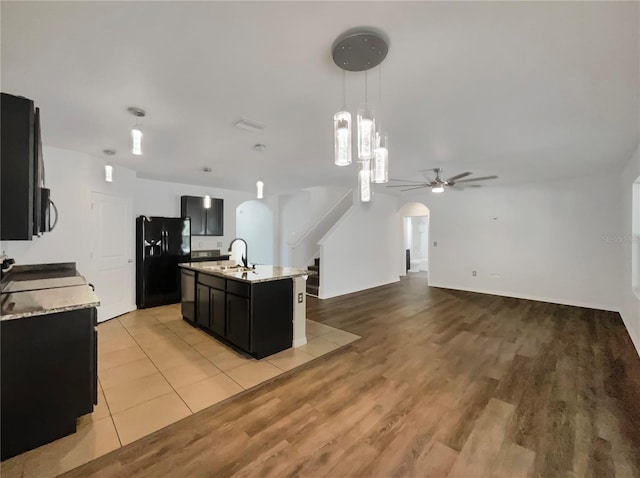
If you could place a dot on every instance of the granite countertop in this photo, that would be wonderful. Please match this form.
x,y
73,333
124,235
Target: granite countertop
x,y
17,305
35,284
262,273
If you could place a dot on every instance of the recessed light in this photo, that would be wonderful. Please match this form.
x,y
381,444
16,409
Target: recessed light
x,y
206,169
109,152
259,147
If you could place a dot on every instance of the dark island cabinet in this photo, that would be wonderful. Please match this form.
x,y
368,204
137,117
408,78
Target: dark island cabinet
x,y
203,306
256,318
217,312
238,321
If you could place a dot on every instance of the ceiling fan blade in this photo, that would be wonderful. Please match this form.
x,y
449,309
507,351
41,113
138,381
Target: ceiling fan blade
x,y
452,179
411,189
406,181
483,178
422,185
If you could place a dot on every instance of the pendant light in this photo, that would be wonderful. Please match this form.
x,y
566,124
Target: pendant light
x,y
380,164
366,128
136,132
260,190
342,130
361,50
207,201
364,181
108,168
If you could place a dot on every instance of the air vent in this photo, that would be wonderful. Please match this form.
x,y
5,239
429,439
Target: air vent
x,y
249,125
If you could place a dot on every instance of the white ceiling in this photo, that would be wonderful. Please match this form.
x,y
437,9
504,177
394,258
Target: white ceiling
x,y
528,91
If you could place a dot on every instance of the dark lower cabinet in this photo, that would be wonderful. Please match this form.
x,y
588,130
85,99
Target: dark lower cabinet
x,y
256,318
238,321
49,377
188,289
217,312
203,305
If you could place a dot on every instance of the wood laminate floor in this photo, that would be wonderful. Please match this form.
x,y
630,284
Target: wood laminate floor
x,y
442,384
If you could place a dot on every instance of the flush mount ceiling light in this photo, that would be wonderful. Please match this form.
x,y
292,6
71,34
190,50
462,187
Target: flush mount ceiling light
x,y
360,50
136,132
259,147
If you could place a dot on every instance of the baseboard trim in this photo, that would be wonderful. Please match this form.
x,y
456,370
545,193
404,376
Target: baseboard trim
x,y
588,305
373,286
635,340
299,342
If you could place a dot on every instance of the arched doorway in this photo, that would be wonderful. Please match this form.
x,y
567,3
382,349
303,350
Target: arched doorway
x,y
254,224
415,219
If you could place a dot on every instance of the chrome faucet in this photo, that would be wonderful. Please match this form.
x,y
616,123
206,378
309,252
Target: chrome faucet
x,y
245,258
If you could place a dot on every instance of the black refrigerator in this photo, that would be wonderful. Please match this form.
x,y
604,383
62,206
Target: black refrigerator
x,y
161,244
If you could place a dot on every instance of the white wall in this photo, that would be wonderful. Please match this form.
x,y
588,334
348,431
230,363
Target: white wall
x,y
359,252
72,177
540,241
630,303
254,223
160,198
299,212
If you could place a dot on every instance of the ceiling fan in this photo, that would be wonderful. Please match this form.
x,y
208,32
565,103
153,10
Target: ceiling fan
x,y
438,184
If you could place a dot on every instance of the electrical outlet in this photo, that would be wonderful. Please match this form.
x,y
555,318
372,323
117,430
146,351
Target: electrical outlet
x,y
474,273
435,243
300,298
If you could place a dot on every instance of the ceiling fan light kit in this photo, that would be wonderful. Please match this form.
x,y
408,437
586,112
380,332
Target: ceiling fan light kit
x,y
360,50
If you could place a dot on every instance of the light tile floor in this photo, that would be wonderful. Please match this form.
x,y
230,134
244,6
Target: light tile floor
x,y
155,369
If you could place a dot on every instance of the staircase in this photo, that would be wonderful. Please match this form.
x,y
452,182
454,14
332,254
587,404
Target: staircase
x,y
313,281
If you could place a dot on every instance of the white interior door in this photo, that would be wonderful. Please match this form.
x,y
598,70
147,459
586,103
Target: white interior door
x,y
112,254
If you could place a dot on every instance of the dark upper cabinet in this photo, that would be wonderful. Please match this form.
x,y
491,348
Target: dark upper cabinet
x,y
193,207
204,222
18,141
215,218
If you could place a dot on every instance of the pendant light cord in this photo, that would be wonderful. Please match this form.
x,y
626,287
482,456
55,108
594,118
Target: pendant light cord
x,y
344,89
365,89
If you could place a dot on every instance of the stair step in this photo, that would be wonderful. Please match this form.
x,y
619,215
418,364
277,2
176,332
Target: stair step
x,y
314,268
316,261
312,289
313,280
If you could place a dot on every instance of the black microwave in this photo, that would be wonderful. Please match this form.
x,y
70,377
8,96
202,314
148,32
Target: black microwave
x,y
25,203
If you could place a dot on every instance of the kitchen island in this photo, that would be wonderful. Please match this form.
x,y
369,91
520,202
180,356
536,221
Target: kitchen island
x,y
260,311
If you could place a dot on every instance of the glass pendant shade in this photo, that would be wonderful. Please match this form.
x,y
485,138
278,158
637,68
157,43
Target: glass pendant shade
x,y
108,173
364,182
260,190
366,134
380,165
136,140
342,138
207,202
